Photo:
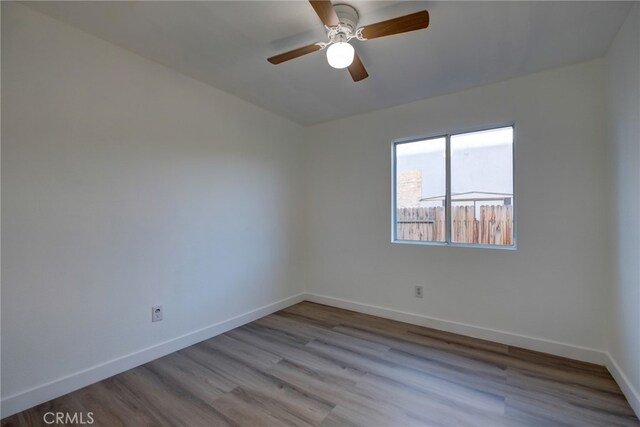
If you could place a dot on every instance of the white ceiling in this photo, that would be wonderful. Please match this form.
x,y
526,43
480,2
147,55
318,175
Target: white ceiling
x,y
467,44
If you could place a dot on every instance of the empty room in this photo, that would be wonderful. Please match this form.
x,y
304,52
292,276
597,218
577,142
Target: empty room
x,y
316,213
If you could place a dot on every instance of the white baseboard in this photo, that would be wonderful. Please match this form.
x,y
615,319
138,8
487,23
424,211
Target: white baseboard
x,y
630,392
34,396
532,343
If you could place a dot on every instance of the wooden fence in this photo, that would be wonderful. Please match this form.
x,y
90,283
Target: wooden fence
x,y
493,227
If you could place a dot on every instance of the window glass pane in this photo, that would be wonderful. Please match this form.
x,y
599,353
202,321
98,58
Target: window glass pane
x,y
420,190
482,187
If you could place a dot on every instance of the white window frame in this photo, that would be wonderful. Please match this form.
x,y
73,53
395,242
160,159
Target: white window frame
x,y
447,136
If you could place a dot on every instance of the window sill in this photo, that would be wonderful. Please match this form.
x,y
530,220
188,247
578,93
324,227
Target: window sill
x,y
454,245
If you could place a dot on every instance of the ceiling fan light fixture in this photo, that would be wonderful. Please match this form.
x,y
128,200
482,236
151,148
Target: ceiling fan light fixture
x,y
340,55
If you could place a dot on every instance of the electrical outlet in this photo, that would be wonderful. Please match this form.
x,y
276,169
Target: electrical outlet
x,y
156,313
419,293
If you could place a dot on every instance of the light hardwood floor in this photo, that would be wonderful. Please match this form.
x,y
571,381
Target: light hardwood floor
x,y
313,365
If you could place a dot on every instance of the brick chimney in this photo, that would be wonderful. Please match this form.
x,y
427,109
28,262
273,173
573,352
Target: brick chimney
x,y
409,189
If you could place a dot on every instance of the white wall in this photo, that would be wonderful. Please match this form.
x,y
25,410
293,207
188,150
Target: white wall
x,y
125,185
551,287
150,196
623,89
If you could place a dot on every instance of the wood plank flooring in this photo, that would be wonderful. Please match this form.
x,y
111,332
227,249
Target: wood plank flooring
x,y
313,365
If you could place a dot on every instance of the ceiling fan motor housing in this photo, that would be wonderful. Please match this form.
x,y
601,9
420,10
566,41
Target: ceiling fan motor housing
x,y
347,16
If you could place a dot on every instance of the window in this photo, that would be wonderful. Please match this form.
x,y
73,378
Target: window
x,y
455,189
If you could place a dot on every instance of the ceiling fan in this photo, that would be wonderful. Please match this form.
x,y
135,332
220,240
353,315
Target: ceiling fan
x,y
340,22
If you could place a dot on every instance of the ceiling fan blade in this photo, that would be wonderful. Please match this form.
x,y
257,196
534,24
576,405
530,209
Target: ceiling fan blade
x,y
325,11
357,70
295,53
401,24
